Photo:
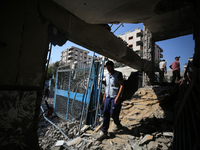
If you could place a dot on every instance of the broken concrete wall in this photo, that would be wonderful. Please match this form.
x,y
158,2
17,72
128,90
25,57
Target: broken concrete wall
x,y
23,39
18,121
24,47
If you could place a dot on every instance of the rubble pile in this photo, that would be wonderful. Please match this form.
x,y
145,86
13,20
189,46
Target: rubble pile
x,y
147,125
49,134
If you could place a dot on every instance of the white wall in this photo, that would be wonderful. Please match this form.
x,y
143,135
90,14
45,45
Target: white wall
x,y
126,71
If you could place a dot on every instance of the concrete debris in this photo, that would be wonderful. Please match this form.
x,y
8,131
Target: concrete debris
x,y
59,143
162,140
74,141
99,127
146,139
168,134
153,145
163,146
131,137
86,127
145,126
128,147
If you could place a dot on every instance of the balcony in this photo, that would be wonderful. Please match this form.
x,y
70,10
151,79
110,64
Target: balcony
x,y
158,47
138,48
139,41
71,49
70,52
161,55
69,61
69,57
139,33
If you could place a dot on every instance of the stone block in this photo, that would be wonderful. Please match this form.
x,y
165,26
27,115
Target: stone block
x,y
74,141
147,138
169,134
164,147
85,127
59,143
153,145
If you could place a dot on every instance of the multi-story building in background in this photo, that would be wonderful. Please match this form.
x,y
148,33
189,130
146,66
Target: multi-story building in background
x,y
134,40
74,54
158,53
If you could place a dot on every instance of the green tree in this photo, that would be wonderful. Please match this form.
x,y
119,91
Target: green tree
x,y
49,72
52,69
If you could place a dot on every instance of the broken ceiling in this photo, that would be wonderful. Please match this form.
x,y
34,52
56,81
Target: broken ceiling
x,y
164,18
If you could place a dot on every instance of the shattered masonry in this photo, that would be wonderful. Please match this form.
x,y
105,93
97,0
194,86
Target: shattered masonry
x,y
147,124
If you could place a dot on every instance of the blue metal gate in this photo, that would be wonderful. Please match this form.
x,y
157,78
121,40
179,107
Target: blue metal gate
x,y
77,90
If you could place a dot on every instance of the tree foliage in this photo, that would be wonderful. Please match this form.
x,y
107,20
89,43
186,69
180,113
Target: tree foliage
x,y
52,70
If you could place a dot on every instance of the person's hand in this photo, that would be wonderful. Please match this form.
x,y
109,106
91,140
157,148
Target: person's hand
x,y
116,101
103,100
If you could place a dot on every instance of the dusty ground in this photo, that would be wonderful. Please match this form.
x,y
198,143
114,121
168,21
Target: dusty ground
x,y
147,121
140,116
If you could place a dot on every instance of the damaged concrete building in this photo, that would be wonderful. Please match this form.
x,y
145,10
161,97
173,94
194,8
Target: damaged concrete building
x,y
29,29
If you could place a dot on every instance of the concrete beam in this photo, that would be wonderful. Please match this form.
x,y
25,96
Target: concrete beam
x,y
93,37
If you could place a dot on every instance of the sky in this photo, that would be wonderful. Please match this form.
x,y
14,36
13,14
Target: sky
x,y
182,46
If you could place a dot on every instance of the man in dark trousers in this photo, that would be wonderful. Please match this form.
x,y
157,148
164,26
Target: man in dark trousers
x,y
176,70
111,99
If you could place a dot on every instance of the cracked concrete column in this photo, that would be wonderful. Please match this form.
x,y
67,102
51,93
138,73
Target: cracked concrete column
x,y
148,54
24,47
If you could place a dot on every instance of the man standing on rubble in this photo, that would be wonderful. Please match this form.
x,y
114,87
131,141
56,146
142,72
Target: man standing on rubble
x,y
162,70
112,99
176,70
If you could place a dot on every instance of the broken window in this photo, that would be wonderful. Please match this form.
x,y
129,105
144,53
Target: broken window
x,y
131,46
130,38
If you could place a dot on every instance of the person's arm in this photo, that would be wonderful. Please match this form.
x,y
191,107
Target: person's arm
x,y
178,66
121,86
104,97
165,68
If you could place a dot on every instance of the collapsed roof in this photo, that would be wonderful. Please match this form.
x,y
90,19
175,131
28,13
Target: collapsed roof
x,y
164,18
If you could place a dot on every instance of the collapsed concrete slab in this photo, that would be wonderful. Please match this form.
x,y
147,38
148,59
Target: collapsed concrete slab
x,y
94,37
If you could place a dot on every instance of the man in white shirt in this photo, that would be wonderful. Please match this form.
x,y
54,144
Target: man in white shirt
x,y
162,70
112,100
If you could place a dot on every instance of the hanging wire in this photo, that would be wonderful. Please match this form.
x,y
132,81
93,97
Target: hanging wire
x,y
118,27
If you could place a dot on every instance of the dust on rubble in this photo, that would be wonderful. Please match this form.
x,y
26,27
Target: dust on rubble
x,y
144,126
144,105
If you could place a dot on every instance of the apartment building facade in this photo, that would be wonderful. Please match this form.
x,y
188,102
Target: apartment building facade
x,y
134,40
74,54
158,53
